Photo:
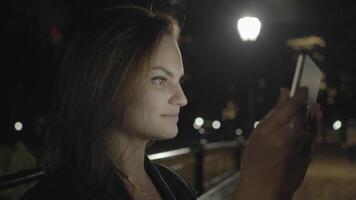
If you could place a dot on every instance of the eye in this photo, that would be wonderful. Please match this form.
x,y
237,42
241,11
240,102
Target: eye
x,y
159,80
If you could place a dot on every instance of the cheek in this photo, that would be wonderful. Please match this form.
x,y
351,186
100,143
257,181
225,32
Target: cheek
x,y
154,106
147,120
154,102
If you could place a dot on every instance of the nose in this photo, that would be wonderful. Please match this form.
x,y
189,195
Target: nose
x,y
179,98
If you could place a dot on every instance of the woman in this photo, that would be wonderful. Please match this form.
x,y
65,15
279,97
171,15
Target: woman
x,y
119,89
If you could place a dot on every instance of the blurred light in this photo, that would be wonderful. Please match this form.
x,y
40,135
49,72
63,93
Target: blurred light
x,y
256,124
216,124
318,56
55,35
330,100
18,126
343,87
199,121
196,126
262,83
203,141
337,125
322,85
175,2
239,131
201,130
332,92
249,28
55,32
309,42
230,111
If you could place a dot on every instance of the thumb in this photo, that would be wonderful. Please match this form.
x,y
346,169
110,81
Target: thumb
x,y
283,96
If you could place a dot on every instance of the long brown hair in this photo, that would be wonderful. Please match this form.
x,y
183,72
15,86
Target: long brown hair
x,y
98,79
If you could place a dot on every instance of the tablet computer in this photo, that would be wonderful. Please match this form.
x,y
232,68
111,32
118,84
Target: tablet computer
x,y
307,74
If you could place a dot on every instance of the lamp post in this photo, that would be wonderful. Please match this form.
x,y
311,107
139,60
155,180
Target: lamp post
x,y
249,29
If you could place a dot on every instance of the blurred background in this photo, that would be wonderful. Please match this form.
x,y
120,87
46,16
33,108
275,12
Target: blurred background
x,y
231,82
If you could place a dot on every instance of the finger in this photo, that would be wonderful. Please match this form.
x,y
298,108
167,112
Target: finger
x,y
292,132
300,99
300,166
283,97
285,108
288,108
298,162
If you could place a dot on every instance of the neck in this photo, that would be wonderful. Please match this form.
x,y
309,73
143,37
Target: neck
x,y
128,154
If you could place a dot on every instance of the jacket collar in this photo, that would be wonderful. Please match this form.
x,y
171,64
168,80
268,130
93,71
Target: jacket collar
x,y
158,180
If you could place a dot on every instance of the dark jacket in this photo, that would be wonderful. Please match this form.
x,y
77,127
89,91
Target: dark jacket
x,y
66,185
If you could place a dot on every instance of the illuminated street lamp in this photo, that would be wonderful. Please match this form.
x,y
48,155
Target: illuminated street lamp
x,y
249,28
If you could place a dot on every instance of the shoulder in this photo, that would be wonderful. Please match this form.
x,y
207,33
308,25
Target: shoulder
x,y
176,182
57,186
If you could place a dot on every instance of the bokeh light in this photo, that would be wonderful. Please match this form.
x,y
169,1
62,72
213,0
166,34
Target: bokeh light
x,y
216,124
199,121
337,125
18,126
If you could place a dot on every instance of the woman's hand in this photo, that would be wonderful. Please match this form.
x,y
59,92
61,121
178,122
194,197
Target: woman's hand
x,y
274,162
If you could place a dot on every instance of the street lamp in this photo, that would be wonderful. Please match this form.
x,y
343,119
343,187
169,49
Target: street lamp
x,y
249,28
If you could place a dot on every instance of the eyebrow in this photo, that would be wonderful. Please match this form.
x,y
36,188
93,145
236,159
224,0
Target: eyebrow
x,y
169,73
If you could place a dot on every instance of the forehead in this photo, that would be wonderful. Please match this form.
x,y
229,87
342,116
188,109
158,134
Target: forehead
x,y
168,55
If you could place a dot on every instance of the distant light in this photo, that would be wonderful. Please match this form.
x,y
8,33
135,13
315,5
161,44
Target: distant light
x,y
322,85
249,28
196,126
307,43
199,121
203,141
239,131
332,92
216,124
256,124
201,130
330,100
337,125
55,32
18,126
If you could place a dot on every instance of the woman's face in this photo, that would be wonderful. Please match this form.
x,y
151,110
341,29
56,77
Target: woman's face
x,y
156,116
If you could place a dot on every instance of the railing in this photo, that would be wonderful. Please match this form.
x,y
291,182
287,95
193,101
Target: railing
x,y
13,180
209,168
223,190
204,166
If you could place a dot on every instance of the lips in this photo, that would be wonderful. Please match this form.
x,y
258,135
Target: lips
x,y
171,113
173,116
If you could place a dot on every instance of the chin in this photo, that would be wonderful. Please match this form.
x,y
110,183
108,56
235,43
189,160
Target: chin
x,y
166,134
